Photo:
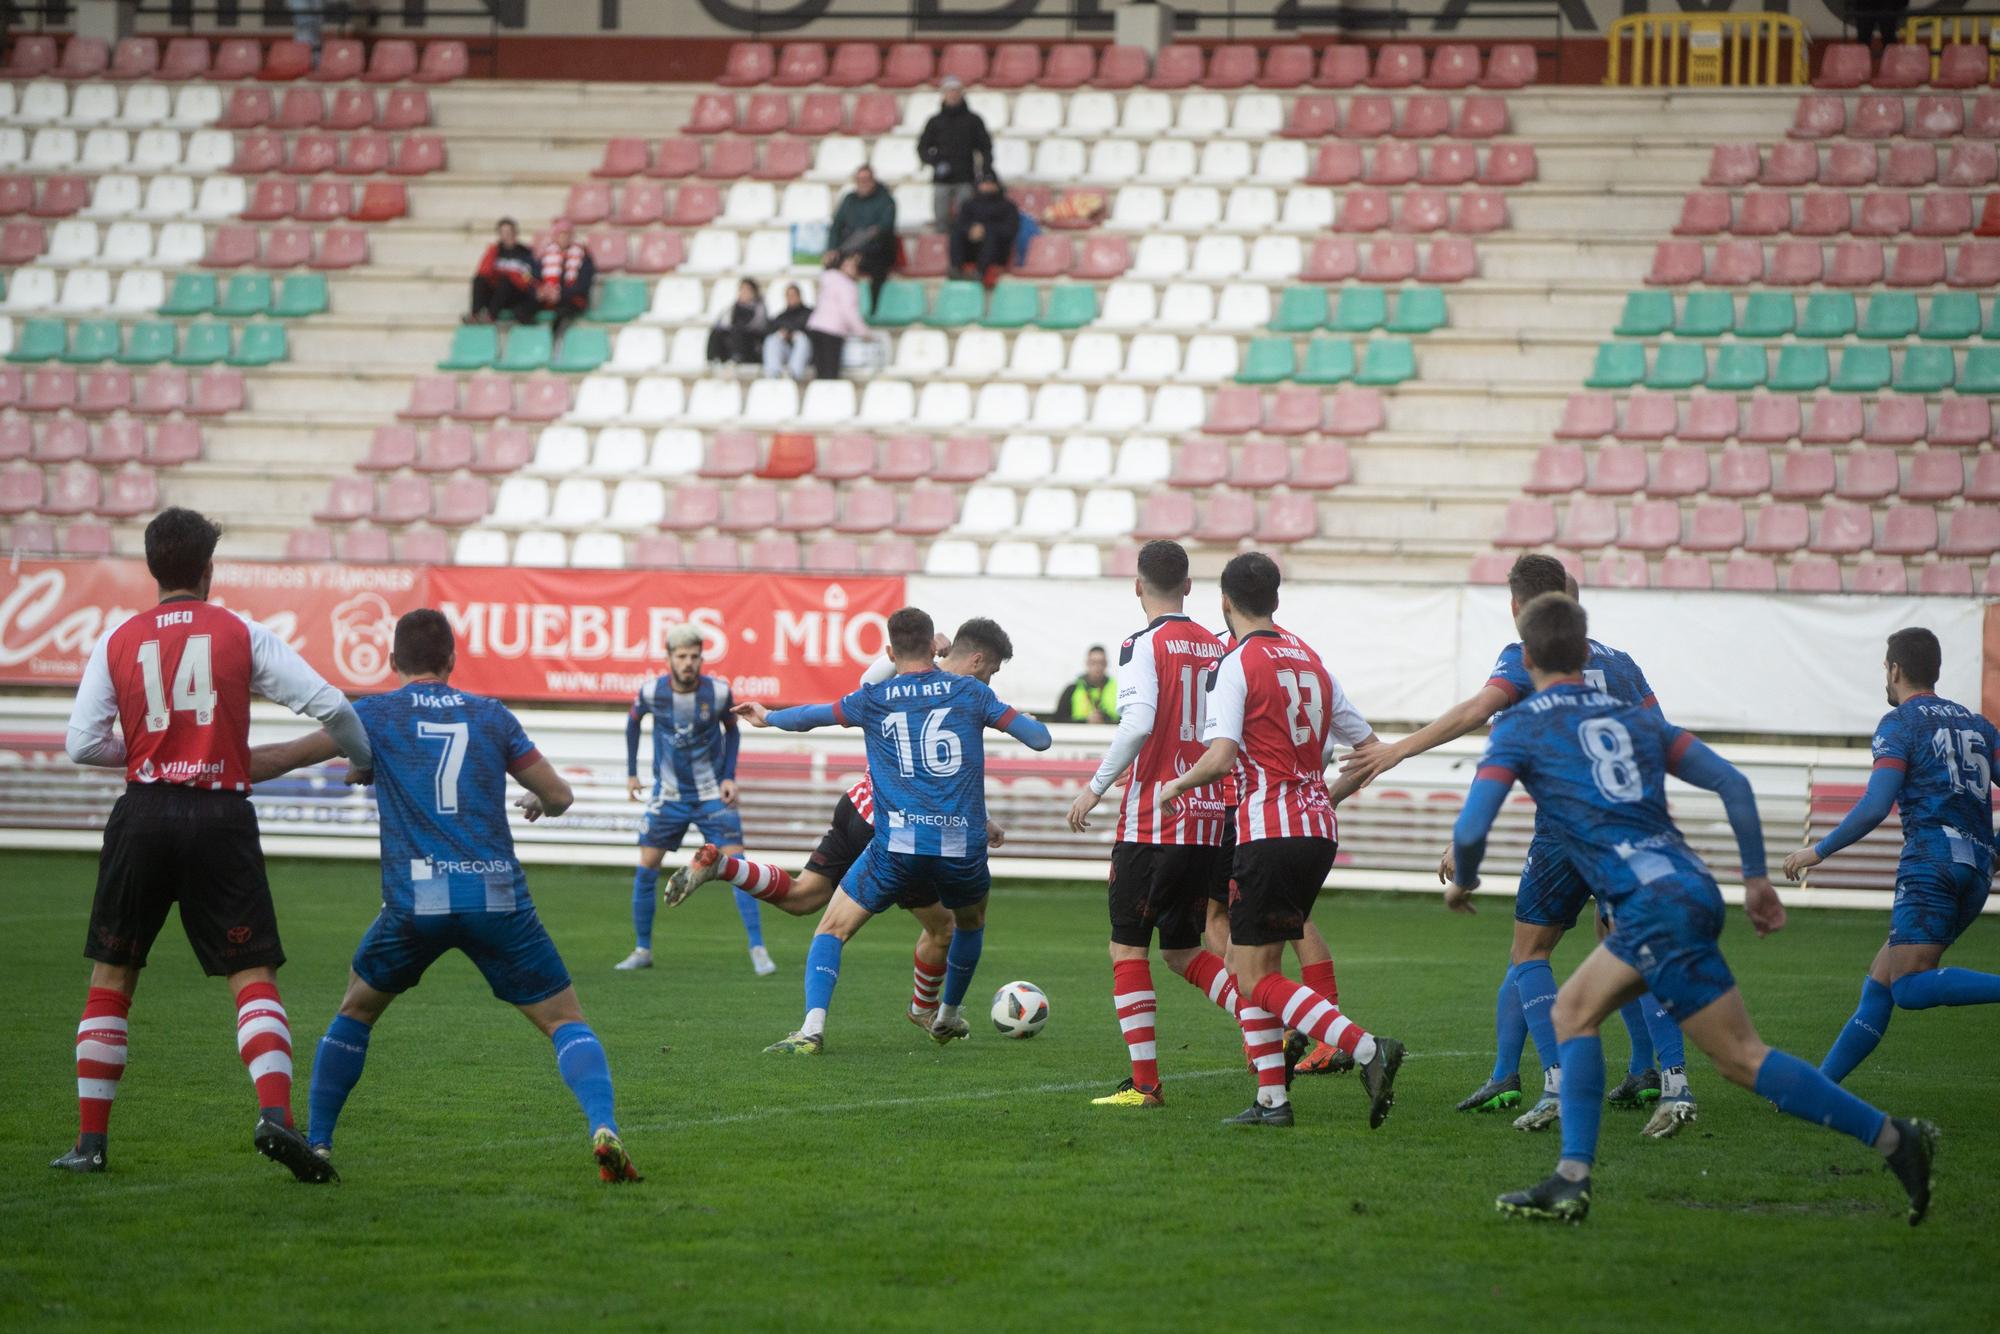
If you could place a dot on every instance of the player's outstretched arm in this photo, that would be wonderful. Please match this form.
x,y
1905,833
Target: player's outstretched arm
x,y
268,762
548,792
1692,762
1884,785
1030,732
801,718
1367,764
1468,835
280,675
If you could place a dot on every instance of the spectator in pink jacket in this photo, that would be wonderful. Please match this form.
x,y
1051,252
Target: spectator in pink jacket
x,y
837,315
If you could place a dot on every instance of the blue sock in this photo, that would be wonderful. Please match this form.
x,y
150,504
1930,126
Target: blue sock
x,y
1634,1015
645,902
1582,1096
959,962
580,1059
1537,984
1946,986
1864,1030
1802,1091
822,974
336,1070
1669,1049
751,912
1510,1029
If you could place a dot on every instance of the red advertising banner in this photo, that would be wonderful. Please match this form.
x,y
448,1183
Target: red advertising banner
x,y
339,617
601,634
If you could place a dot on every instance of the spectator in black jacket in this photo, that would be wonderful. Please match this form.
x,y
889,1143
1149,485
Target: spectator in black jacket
x,y
787,350
982,236
864,224
738,333
957,148
505,281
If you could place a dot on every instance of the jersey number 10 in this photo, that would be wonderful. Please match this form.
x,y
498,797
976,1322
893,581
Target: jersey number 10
x,y
940,750
1977,777
194,683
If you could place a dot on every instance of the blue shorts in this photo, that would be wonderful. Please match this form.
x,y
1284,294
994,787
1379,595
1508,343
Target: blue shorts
x,y
1936,901
1551,892
882,880
512,950
1669,931
667,824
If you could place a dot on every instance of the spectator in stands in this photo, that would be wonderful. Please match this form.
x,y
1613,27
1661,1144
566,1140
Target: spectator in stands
x,y
983,234
1092,697
1879,16
566,273
957,149
787,350
738,333
837,317
307,18
505,282
864,224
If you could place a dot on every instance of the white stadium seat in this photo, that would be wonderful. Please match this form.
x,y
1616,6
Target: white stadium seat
x,y
85,290
921,353
105,150
146,105
30,289
951,558
1223,162
1012,158
140,292
1137,208
676,452
1276,258
837,158
1107,513
179,244
1177,410
638,348
1243,307
196,105
1113,163
749,204
1251,208
1256,116
1307,210
714,402
168,197
1201,116
1091,114
1195,208
128,244
713,252
1048,511
1211,359
636,505
93,104
1159,257
945,405
157,150
915,207
1143,461
1060,161
980,354
1281,162
1151,358
1038,355
688,353
598,551
1059,408
828,403
675,301
52,150
805,201
768,251
113,197
1001,407
1083,459
480,546
895,160
771,402
43,102
1217,258
1147,114
1118,408
619,451
1187,306
1073,560
208,151
995,108
987,510
1037,113
559,451
521,501
1168,162
919,105
1127,305
1023,459
579,503
887,403
221,197
600,398
656,400
541,551
1014,560
73,241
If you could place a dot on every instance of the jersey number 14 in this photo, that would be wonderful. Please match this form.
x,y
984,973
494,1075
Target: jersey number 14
x,y
194,683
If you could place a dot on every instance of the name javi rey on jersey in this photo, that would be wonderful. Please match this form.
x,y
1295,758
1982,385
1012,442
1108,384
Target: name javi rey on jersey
x,y
924,686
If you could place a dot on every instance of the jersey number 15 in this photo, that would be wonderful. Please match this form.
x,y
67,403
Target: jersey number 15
x,y
1969,769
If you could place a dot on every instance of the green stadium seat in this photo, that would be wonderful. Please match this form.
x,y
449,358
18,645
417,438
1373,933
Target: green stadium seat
x,y
263,343
1952,318
958,304
617,300
192,294
528,348
150,343
1890,315
1618,366
1828,315
207,343
302,294
1863,370
1013,306
1648,314
1328,361
1360,309
1268,361
474,347
1992,329
1300,310
1419,310
1071,306
1926,369
1802,367
93,341
1679,366
1738,366
898,305
1386,361
582,350
1982,371
1704,314
1767,315
40,340
247,294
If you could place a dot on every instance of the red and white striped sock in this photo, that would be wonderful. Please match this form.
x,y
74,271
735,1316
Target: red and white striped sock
x,y
760,880
1314,1015
928,980
1264,1039
1132,994
264,1041
100,1057
1319,976
1208,975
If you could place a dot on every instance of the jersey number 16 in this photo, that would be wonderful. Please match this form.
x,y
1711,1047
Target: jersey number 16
x,y
939,748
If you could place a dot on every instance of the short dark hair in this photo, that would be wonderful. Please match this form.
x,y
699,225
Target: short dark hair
x,y
1917,652
983,633
910,633
424,642
1094,648
1535,574
1555,633
1250,581
179,545
506,222
1163,565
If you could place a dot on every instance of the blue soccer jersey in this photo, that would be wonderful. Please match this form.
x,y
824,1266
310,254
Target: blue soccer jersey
x,y
694,739
1606,669
442,758
1945,753
927,758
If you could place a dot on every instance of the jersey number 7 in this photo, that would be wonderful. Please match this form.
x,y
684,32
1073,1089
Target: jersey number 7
x,y
451,761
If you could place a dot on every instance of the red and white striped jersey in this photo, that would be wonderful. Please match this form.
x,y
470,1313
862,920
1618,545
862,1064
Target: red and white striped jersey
x,y
862,797
1273,697
1160,677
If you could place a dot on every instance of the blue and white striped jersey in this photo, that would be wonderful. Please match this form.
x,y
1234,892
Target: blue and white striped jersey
x,y
694,739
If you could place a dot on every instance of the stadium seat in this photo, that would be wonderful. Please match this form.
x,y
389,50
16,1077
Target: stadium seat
x,y
1743,471
1899,421
1845,65
1779,529
1835,420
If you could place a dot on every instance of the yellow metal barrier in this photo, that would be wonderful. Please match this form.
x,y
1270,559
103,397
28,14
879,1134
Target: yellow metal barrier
x,y
1707,50
1937,31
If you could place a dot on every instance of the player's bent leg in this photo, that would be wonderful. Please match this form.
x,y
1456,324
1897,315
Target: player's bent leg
x,y
1917,982
1535,986
581,1062
339,1059
1316,971
843,917
961,960
810,893
264,1042
645,903
1215,933
1263,1035
927,963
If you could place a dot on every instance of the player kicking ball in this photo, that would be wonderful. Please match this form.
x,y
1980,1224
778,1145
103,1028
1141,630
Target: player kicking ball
x,y
694,783
450,879
928,765
1934,760
1597,767
1266,719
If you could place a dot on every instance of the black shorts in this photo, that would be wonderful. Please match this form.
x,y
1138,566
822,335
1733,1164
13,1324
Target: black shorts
x,y
842,845
1163,886
165,845
1218,885
1272,887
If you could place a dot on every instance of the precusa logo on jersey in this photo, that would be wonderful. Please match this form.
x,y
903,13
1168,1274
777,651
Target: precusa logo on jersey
x,y
363,629
435,868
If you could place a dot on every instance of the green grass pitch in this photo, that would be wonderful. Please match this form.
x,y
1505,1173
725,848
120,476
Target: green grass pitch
x,y
891,1185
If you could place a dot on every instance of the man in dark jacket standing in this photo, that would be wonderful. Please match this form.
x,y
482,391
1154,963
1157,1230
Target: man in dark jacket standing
x,y
864,224
982,236
957,148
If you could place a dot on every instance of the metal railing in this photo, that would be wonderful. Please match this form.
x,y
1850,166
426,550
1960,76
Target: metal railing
x,y
1707,51
1969,27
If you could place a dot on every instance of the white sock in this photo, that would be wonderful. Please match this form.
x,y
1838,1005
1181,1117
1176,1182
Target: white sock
x,y
1364,1050
1552,1081
1569,1169
815,1023
1674,1082
948,1012
1272,1097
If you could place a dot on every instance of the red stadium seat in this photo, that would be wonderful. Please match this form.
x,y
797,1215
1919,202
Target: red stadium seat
x,y
309,544
231,247
1450,259
657,551
1963,423
300,109
1450,164
867,509
1845,65
1869,474
1363,210
1331,259
1792,165
1878,575
1908,530
1015,65
1970,165
381,201
1231,66
1769,212
820,113
1679,470
1705,213
1676,264
677,157
589,202
908,65
927,510
730,454
1916,264
403,500
163,389
117,440
1482,118
1938,118
1691,573
442,62
1369,116
1510,164
502,450
1976,265
1902,420
623,157
1711,418
1779,529
258,153
964,61
246,109
1588,417
1945,214
347,499
1228,517
1321,465
448,447
1354,412
1454,65
1589,522
747,63
1233,410
1619,569
696,206
1336,164
364,546
1948,578
216,392
286,60
1910,166
1835,420
129,493
312,154
236,59
767,113
1812,575
928,255
352,109
460,501
1342,66
784,160
1529,523
1875,118
1883,213
749,508
419,155
431,396
1800,263
908,457
391,448
1822,117
62,440
1427,117
1844,530
1479,212
640,204
1313,116
1176,66
1070,65
1743,471
1287,518
1620,471
1102,258
1558,470
1750,574
1807,474
1904,65
845,457
134,58
1390,260
326,201
854,64
1649,417
1732,165
655,252
1973,531
1510,65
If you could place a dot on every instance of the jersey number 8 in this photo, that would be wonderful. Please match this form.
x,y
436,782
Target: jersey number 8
x,y
939,748
1613,767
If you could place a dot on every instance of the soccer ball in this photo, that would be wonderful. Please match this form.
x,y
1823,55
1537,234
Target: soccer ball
x,y
1020,1010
